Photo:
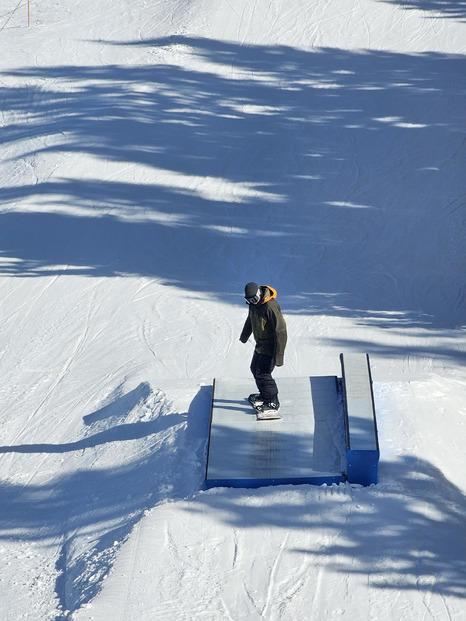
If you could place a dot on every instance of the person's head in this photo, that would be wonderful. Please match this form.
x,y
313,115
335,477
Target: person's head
x,y
252,293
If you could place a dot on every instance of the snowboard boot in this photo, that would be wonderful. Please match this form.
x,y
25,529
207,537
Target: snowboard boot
x,y
270,407
255,400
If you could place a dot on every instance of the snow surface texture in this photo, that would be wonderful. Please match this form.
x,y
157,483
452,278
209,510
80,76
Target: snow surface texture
x,y
155,157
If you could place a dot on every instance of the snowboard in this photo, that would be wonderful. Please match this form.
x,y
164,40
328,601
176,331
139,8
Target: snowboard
x,y
271,415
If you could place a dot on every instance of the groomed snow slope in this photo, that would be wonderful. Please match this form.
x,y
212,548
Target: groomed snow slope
x,y
155,157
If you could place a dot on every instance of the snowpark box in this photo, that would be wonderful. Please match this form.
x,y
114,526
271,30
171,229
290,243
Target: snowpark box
x,y
327,433
362,444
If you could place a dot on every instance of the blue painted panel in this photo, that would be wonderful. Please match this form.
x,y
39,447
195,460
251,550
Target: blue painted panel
x,y
362,467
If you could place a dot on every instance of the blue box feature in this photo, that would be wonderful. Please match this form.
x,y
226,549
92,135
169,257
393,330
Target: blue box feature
x,y
321,438
362,444
306,446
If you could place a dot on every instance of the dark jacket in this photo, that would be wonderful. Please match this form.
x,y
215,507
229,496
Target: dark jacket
x,y
266,323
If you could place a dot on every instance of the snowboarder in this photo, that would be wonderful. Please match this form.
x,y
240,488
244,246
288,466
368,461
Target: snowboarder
x,y
267,324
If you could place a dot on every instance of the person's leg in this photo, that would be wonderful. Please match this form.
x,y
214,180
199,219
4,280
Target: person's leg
x,y
261,368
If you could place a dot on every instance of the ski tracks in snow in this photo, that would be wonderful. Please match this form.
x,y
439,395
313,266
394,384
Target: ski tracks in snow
x,y
200,563
186,343
271,589
66,366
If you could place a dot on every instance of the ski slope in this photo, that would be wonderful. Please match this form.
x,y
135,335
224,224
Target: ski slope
x,y
155,156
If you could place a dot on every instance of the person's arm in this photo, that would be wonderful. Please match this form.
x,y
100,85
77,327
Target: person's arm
x,y
247,330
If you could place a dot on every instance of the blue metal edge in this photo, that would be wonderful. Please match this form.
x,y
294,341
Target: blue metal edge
x,y
324,479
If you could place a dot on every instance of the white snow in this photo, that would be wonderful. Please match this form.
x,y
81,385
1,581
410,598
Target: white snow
x,y
155,157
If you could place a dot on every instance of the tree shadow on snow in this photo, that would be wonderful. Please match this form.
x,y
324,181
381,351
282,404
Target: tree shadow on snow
x,y
91,508
455,9
311,163
403,535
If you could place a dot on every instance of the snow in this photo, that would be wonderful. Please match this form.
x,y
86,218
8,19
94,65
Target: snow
x,y
155,157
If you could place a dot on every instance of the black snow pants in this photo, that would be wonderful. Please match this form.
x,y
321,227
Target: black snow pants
x,y
261,368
